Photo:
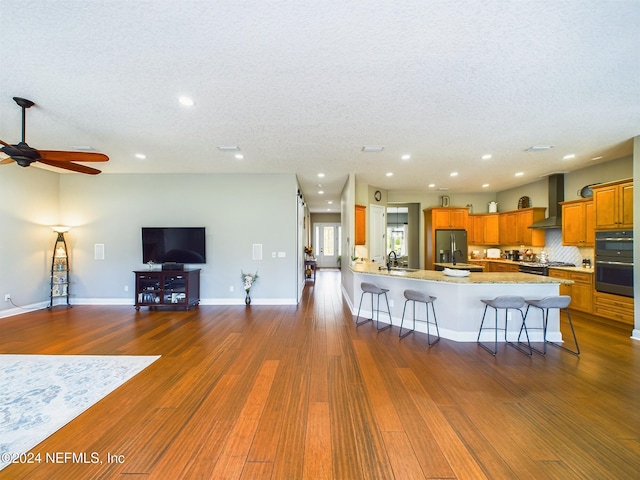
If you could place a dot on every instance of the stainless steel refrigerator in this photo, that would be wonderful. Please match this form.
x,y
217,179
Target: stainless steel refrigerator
x,y
450,242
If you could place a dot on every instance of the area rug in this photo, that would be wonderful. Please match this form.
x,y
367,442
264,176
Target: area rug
x,y
41,393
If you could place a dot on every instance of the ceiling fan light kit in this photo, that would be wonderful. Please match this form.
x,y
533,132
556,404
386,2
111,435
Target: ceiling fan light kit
x,y
24,155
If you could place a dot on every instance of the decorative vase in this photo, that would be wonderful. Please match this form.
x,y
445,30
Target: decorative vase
x,y
247,299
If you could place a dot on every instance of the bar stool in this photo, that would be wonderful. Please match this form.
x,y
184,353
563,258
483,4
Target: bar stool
x,y
505,302
420,297
561,302
374,290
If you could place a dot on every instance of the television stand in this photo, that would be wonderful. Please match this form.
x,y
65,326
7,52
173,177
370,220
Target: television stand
x,y
167,288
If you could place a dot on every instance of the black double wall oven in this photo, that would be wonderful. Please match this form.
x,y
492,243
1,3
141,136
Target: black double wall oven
x,y
614,262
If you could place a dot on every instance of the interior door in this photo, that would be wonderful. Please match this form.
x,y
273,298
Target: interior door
x,y
327,243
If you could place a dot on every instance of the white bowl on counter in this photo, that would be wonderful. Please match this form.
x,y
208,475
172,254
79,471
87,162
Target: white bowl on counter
x,y
456,273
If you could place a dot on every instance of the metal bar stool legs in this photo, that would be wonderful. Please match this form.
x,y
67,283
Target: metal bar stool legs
x,y
420,297
372,289
561,302
506,303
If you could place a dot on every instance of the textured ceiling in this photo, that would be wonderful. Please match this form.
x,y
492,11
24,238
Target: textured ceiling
x,y
302,86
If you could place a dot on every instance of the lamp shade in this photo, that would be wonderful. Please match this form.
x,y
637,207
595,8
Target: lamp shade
x,y
60,228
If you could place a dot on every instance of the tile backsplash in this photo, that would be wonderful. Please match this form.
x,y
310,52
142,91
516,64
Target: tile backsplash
x,y
556,252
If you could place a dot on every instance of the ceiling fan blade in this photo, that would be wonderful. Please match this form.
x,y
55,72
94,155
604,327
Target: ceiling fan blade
x,y
64,156
5,143
68,165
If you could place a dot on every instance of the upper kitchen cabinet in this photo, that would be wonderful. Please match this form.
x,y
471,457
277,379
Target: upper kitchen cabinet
x,y
529,236
508,228
578,223
614,205
447,217
484,229
361,225
514,227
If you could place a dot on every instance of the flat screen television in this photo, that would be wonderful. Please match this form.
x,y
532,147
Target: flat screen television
x,y
173,245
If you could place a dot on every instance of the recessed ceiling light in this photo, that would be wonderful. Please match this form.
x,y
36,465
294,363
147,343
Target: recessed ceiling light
x,y
389,174
485,185
405,157
431,185
372,148
519,174
321,175
320,192
486,157
141,156
186,101
453,174
229,148
319,185
539,148
239,156
330,202
569,156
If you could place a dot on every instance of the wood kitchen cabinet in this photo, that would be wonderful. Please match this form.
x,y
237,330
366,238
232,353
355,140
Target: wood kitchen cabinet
x,y
508,228
503,267
530,236
581,291
615,307
514,227
613,205
578,223
438,218
361,225
449,217
484,229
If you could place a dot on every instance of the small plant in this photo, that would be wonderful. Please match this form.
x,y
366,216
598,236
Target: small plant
x,y
249,279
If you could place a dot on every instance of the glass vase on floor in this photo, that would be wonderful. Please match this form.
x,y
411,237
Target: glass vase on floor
x,y
247,299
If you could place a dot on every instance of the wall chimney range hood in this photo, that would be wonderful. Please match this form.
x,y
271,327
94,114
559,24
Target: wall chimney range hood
x,y
556,195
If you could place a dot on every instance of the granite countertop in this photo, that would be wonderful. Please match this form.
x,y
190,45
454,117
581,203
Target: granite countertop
x,y
574,269
474,277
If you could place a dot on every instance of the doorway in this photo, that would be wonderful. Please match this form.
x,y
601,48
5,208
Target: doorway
x,y
403,227
327,241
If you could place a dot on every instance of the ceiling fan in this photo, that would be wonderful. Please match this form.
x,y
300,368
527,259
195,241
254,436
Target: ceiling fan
x,y
24,155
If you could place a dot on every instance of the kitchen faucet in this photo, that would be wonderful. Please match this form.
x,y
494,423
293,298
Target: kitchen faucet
x,y
395,259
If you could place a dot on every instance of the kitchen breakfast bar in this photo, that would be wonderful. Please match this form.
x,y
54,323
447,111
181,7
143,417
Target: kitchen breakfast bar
x,y
458,306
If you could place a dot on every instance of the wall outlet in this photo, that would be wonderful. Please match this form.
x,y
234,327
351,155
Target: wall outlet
x,y
231,288
126,288
7,297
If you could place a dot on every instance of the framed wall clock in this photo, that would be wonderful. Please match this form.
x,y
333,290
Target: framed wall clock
x,y
377,195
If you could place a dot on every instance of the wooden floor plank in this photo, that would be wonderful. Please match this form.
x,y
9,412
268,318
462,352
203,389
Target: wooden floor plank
x,y
317,445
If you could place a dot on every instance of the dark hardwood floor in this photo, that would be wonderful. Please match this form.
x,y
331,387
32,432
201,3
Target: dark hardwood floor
x,y
301,393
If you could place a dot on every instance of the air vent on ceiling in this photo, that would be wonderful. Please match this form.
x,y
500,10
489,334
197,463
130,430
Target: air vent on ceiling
x,y
372,148
539,148
230,148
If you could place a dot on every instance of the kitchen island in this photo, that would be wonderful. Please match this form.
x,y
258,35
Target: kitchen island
x,y
458,306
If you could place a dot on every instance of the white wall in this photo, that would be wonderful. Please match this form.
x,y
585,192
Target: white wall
x,y
237,211
28,206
